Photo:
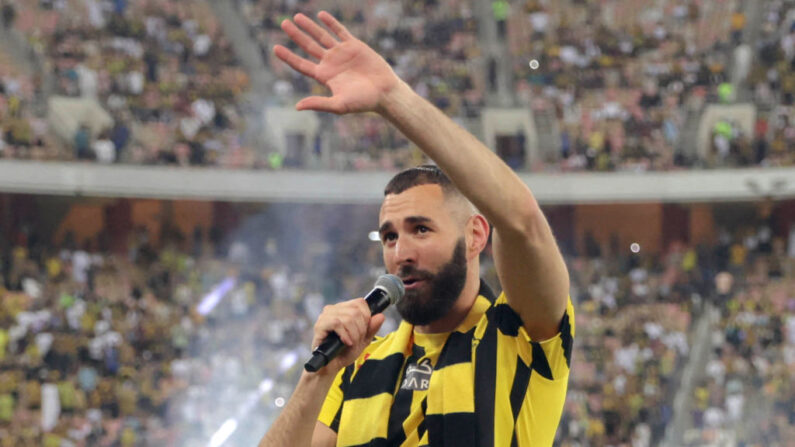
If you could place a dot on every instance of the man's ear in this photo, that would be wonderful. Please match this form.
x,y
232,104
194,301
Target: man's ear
x,y
477,235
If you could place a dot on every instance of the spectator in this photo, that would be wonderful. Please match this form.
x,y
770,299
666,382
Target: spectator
x,y
82,143
501,10
8,13
104,149
120,136
737,26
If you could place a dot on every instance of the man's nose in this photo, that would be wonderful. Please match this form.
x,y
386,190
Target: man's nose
x,y
405,251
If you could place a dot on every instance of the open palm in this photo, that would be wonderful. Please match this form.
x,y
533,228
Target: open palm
x,y
358,77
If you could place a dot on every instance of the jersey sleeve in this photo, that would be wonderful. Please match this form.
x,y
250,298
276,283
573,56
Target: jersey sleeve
x,y
332,406
557,349
552,356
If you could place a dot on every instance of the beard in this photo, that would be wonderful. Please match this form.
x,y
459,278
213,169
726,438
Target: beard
x,y
433,299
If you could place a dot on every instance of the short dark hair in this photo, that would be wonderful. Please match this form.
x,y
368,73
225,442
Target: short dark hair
x,y
420,175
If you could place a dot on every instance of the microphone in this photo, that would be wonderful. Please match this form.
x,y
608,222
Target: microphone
x,y
388,289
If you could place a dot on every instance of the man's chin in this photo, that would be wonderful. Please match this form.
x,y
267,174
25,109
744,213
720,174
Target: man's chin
x,y
416,296
412,309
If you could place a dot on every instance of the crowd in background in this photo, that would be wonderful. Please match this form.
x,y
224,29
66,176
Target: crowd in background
x,y
108,349
128,348
634,316
23,132
626,82
161,69
623,77
746,395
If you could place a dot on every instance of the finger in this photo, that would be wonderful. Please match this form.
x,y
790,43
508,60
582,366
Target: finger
x,y
357,323
315,30
303,40
363,307
344,333
334,25
349,327
298,63
321,104
331,324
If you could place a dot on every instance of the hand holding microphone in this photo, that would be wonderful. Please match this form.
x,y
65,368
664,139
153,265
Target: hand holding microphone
x,y
352,324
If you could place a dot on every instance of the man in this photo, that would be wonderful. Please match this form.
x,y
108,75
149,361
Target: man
x,y
463,368
9,14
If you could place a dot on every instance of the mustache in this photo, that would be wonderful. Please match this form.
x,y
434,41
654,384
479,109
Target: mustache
x,y
409,271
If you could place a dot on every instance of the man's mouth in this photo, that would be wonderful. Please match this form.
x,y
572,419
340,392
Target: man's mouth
x,y
412,283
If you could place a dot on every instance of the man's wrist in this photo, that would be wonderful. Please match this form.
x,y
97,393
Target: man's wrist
x,y
393,100
319,377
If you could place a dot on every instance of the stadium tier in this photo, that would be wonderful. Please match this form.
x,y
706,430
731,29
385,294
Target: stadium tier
x,y
635,85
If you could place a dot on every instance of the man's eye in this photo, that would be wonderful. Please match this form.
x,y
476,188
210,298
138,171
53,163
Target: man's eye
x,y
390,237
423,229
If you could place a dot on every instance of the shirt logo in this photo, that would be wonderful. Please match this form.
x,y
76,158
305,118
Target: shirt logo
x,y
418,376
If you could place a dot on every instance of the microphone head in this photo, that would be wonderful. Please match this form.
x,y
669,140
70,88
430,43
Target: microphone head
x,y
393,286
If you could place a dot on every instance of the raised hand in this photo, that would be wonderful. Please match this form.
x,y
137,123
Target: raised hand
x,y
359,78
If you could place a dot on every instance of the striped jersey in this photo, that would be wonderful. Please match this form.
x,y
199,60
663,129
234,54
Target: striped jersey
x,y
484,384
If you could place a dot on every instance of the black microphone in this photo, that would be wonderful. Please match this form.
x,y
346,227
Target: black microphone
x,y
389,289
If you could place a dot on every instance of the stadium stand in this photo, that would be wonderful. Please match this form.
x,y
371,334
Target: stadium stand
x,y
162,69
617,89
745,396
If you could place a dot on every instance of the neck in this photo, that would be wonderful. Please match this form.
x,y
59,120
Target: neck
x,y
460,309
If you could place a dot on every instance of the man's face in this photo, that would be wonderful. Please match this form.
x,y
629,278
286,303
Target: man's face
x,y
424,245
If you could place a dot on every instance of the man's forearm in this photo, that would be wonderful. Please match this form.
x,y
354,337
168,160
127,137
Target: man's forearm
x,y
476,170
296,423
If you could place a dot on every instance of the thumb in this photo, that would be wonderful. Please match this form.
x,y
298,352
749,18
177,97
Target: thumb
x,y
375,324
321,104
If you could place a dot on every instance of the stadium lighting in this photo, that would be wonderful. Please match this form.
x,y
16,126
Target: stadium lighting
x,y
288,361
374,236
635,247
215,296
265,386
223,433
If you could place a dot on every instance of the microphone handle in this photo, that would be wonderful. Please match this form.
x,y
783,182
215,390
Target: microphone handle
x,y
331,346
377,300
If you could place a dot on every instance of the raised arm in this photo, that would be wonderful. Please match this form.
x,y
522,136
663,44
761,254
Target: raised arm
x,y
529,264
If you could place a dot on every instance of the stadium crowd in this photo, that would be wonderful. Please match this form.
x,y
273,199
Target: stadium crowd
x,y
23,133
101,348
160,69
623,86
128,348
620,81
746,396
633,336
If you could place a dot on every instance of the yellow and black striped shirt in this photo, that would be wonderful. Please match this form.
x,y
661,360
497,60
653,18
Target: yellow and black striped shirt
x,y
484,384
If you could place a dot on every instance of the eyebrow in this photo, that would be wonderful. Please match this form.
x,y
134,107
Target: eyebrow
x,y
411,220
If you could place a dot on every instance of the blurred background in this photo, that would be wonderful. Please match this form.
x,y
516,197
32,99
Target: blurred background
x,y
170,227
